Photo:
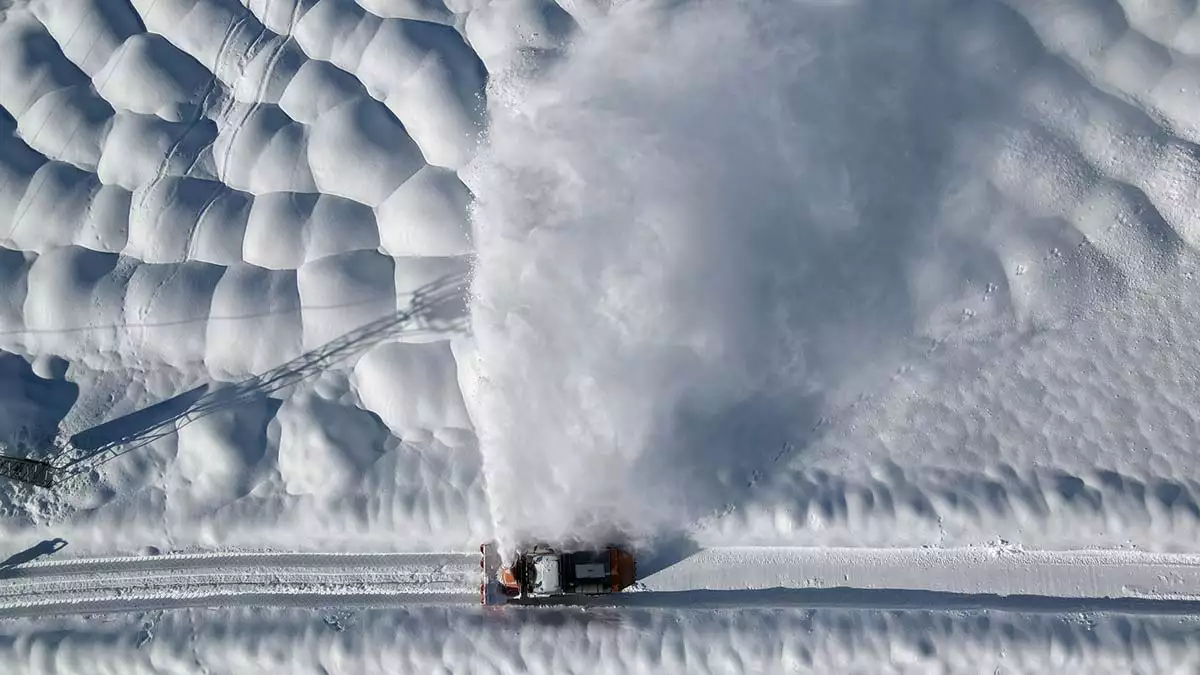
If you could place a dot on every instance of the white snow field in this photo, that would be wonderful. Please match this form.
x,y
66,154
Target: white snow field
x,y
873,325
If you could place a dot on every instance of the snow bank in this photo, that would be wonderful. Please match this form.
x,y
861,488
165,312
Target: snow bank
x,y
197,192
568,641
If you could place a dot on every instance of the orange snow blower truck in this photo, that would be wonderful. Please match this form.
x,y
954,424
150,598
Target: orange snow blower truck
x,y
542,573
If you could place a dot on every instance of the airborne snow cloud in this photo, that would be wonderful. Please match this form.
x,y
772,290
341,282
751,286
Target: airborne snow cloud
x,y
692,233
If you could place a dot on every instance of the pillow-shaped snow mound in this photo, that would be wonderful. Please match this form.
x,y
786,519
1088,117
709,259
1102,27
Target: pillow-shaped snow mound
x,y
344,292
414,390
359,150
255,322
150,75
426,216
326,444
220,454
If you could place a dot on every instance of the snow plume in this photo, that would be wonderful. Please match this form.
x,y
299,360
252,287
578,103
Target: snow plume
x,y
692,231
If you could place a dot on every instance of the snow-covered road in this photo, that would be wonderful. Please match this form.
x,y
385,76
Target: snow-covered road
x,y
986,569
232,579
984,577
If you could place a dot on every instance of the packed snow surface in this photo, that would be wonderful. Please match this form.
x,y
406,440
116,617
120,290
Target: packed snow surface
x,y
745,273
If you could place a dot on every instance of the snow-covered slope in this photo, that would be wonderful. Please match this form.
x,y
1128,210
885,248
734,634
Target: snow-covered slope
x,y
863,273
198,191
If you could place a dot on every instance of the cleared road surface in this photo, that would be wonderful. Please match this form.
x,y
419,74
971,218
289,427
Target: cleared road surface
x,y
983,577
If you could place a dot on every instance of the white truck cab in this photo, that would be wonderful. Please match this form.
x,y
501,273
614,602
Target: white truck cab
x,y
547,574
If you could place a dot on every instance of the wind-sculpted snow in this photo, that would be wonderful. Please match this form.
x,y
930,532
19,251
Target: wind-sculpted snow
x,y
189,195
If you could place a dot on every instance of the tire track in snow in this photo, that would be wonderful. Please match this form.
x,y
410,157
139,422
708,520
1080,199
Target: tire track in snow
x,y
232,560
322,580
284,597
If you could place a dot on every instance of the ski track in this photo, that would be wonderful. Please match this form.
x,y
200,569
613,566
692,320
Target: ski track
x,y
986,577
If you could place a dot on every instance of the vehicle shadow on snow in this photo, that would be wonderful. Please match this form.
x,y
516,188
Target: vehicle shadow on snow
x,y
891,599
879,599
664,552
